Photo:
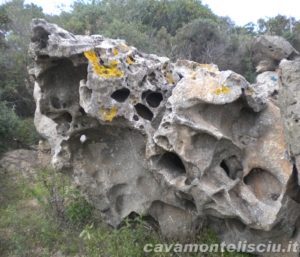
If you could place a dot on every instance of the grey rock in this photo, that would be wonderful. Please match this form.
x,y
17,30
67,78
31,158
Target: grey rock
x,y
268,65
179,142
289,99
274,47
266,87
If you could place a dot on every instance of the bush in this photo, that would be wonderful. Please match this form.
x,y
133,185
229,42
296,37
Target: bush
x,y
9,121
77,209
27,132
37,230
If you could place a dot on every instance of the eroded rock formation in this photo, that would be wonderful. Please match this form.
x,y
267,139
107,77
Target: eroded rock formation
x,y
274,49
177,141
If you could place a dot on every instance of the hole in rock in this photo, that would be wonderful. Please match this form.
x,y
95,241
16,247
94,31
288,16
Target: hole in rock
x,y
61,119
152,78
120,95
232,167
225,167
236,224
189,205
275,92
66,117
135,117
55,103
151,75
152,98
140,83
144,112
173,162
82,111
44,56
275,196
40,36
263,184
187,201
293,189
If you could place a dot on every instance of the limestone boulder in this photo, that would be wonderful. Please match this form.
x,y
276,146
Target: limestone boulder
x,y
274,47
289,99
180,142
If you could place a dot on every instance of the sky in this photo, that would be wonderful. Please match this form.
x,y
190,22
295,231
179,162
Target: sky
x,y
240,11
245,11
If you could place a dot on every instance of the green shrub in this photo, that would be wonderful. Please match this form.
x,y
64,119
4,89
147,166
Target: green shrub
x,y
12,127
27,132
38,231
9,121
77,209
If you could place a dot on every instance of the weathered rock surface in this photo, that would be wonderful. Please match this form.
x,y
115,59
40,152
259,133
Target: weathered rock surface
x,y
290,107
179,142
266,86
274,47
268,65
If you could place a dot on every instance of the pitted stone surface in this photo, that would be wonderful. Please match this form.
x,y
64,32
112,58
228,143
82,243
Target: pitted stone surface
x,y
274,47
289,99
177,141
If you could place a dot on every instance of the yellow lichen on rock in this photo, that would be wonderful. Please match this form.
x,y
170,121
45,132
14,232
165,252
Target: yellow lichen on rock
x,y
222,90
109,114
92,57
194,75
130,59
115,51
169,78
111,70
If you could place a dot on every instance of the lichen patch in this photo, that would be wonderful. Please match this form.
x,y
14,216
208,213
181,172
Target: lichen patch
x,y
109,114
222,90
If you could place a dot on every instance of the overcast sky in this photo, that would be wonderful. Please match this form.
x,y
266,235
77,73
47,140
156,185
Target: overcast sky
x,y
245,11
240,11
